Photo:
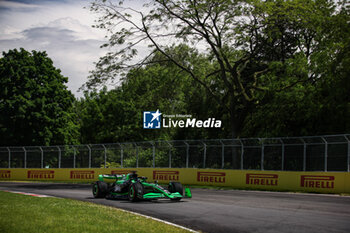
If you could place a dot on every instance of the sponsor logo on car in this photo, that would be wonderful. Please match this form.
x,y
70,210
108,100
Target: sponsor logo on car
x,y
36,174
121,172
211,177
5,174
309,181
82,175
166,175
262,179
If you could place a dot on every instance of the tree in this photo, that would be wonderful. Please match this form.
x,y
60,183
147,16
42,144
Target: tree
x,y
161,84
321,105
35,105
250,48
117,115
105,117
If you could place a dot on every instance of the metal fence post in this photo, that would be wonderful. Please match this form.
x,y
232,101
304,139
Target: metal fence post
x,y
187,153
42,157
121,155
204,154
325,153
262,154
137,154
154,154
89,155
105,154
170,157
59,156
348,160
242,153
74,156
170,147
304,154
8,149
282,153
25,157
222,154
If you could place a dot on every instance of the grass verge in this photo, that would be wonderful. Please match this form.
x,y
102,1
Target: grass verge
x,y
20,213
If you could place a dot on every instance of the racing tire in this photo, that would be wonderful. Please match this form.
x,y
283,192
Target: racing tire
x,y
135,190
176,187
99,189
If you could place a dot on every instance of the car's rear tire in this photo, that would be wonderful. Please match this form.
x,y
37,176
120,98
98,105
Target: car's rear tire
x,y
99,189
135,190
176,187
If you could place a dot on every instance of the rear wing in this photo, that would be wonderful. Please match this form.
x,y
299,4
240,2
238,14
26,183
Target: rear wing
x,y
110,177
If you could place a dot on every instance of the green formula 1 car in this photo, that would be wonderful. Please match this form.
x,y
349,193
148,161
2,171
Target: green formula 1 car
x,y
135,188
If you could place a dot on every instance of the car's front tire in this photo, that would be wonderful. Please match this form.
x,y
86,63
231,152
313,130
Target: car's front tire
x,y
99,189
135,190
176,187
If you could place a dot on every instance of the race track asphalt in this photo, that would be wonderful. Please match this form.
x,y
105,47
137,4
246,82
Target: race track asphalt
x,y
224,210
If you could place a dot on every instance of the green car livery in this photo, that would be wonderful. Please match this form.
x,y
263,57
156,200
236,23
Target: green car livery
x,y
135,188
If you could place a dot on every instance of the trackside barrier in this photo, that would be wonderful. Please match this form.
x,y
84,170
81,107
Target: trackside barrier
x,y
317,153
321,182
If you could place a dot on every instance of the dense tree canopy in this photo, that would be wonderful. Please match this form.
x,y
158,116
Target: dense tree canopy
x,y
35,104
243,53
265,68
116,115
322,104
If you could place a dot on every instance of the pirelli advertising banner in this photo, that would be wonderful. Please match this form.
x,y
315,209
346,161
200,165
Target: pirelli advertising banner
x,y
322,182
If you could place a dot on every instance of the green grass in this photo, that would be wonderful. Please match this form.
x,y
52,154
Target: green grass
x,y
20,213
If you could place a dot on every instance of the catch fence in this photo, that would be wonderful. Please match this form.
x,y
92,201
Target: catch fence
x,y
316,153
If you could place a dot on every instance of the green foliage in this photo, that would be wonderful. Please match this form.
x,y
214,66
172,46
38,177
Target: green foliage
x,y
107,117
111,165
117,115
284,71
20,213
321,103
244,64
35,105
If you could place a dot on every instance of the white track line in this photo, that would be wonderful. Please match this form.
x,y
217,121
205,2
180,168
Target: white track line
x,y
28,194
159,220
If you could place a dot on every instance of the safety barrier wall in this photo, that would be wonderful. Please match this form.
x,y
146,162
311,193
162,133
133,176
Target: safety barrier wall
x,y
321,182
